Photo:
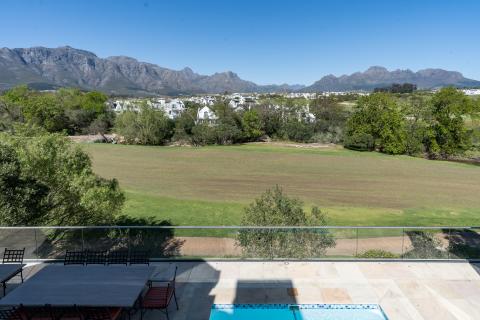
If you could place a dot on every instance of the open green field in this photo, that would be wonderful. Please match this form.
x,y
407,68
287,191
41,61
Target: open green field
x,y
211,185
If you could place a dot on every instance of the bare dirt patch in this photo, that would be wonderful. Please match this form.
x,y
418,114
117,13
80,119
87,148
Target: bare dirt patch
x,y
225,247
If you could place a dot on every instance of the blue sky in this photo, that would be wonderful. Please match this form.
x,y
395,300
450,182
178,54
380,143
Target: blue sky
x,y
263,41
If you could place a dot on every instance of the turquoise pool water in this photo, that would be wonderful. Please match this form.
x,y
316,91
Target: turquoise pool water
x,y
297,312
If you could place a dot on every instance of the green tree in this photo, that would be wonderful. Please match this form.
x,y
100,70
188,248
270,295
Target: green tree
x,y
379,117
185,123
203,134
271,119
67,110
447,132
252,125
274,208
47,180
148,126
22,198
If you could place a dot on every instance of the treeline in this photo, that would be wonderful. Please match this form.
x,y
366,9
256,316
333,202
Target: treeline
x,y
398,88
433,126
415,124
68,110
286,122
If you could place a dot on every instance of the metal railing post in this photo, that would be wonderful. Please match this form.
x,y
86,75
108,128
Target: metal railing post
x,y
356,245
128,241
36,244
403,242
83,240
448,244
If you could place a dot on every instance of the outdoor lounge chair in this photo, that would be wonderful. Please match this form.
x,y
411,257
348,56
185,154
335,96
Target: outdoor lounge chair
x,y
159,297
101,313
74,257
10,314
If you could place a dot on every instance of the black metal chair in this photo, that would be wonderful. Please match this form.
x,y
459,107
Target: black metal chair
x,y
118,257
64,313
10,314
95,257
14,256
101,313
38,313
74,257
140,257
159,297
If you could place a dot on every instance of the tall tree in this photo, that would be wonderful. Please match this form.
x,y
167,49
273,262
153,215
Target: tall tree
x,y
274,208
448,134
147,126
252,125
377,123
47,180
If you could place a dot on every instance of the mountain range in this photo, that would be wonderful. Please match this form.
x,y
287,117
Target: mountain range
x,y
50,68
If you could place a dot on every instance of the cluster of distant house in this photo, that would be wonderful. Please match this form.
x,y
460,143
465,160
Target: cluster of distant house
x,y
205,114
471,92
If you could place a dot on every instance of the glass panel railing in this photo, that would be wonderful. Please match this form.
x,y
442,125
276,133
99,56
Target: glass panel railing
x,y
52,243
420,243
344,245
17,238
463,243
105,239
382,243
264,243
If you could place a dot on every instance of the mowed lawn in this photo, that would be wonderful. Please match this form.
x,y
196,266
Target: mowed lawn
x,y
212,185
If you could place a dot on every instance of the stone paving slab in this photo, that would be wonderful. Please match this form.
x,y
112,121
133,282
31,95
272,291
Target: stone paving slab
x,y
405,290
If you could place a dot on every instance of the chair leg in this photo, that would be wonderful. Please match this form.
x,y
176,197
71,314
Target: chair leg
x,y
21,275
4,288
166,312
175,298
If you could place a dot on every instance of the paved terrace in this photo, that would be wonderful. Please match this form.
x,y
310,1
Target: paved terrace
x,y
405,290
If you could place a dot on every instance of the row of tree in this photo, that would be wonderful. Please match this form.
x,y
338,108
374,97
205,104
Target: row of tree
x,y
415,124
289,122
69,110
398,88
435,126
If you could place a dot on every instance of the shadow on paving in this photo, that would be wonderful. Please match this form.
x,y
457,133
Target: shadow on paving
x,y
195,282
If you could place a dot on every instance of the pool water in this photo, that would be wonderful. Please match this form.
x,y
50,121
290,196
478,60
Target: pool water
x,y
297,312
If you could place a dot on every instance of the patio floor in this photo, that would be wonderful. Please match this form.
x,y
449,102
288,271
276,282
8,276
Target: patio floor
x,y
405,290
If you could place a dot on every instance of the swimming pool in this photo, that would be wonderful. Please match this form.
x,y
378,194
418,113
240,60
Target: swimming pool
x,y
297,312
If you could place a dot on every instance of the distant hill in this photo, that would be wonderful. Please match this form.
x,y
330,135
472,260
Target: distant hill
x,y
49,68
377,77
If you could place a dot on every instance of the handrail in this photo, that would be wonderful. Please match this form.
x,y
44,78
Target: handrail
x,y
240,227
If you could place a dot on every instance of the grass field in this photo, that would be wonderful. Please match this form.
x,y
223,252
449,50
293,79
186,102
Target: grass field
x,y
211,185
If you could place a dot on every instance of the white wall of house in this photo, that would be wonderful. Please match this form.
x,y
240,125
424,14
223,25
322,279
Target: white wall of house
x,y
206,115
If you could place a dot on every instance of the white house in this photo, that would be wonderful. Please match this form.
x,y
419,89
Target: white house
x,y
174,108
471,92
239,102
305,115
206,115
124,105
